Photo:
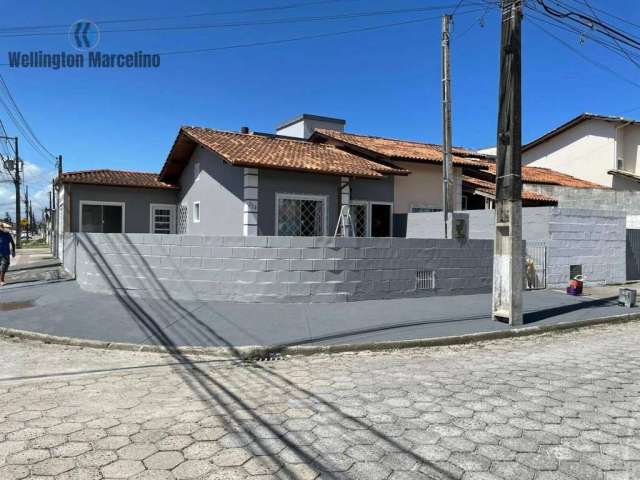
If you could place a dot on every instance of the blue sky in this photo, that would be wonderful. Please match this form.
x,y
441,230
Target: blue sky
x,y
384,82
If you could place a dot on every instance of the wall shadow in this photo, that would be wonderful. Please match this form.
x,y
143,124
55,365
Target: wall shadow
x,y
207,385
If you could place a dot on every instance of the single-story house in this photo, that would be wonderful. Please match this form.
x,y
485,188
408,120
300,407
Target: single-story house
x,y
291,183
236,183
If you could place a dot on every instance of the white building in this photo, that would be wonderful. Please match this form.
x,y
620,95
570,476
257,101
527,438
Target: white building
x,y
598,148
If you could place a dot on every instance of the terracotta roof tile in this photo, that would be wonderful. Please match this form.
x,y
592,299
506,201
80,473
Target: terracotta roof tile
x,y
404,149
490,188
550,177
265,151
116,178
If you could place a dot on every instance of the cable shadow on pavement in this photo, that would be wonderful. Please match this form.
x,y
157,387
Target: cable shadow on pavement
x,y
262,378
538,315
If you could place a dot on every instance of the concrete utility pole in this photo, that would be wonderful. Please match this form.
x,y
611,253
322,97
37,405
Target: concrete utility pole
x,y
16,182
446,124
508,256
26,208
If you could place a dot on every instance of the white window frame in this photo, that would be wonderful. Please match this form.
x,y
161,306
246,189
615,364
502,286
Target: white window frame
x,y
367,205
173,220
98,202
193,213
371,204
299,196
196,170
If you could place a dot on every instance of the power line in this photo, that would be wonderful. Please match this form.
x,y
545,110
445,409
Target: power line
x,y
604,12
22,118
556,23
624,51
584,57
276,21
594,24
192,15
304,37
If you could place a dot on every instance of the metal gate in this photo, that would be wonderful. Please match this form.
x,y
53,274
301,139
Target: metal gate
x,y
535,268
633,254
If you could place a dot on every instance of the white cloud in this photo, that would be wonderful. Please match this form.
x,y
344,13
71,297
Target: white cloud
x,y
39,181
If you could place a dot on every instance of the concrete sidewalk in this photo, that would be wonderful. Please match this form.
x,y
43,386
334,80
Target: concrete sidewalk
x,y
63,309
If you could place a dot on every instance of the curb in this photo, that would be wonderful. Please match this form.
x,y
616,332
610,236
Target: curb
x,y
266,352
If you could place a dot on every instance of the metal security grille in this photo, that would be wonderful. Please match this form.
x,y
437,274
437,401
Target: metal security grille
x,y
182,219
300,217
633,254
359,217
535,268
425,280
161,220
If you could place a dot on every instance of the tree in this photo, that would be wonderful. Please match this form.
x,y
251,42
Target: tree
x,y
7,218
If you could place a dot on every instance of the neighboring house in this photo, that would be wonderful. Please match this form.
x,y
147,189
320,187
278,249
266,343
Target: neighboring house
x,y
479,186
422,190
598,148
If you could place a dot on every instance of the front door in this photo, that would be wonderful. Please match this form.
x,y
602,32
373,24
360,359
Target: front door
x,y
163,219
381,215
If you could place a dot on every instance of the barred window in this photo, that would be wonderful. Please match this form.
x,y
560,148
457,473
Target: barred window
x,y
300,215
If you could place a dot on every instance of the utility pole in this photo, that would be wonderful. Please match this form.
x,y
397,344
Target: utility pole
x,y
508,258
446,124
16,182
26,207
59,225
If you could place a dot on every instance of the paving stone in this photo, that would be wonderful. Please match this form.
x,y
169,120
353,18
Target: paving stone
x,y
369,471
192,469
53,466
201,450
231,457
537,462
163,460
514,408
137,451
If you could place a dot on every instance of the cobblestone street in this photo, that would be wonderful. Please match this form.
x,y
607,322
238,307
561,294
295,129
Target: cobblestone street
x,y
547,407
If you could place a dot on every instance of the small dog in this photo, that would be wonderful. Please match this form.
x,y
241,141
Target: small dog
x,y
531,273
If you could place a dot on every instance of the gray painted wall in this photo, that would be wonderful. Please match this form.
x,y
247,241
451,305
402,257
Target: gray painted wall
x,y
373,190
137,203
275,269
482,224
592,198
272,182
595,239
220,191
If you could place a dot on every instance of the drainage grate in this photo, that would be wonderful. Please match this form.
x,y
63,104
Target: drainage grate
x,y
425,280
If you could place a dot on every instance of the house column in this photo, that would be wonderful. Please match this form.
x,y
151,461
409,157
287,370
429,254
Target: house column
x,y
250,209
345,200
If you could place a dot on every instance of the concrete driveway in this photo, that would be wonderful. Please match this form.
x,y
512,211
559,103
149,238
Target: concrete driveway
x,y
64,309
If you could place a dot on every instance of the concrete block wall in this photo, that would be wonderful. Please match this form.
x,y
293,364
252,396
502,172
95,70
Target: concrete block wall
x,y
627,201
482,224
595,239
275,269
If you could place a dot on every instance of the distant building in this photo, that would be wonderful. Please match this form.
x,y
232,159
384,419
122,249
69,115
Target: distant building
x,y
598,148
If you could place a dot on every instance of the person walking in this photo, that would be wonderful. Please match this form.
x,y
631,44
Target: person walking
x,y
7,250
